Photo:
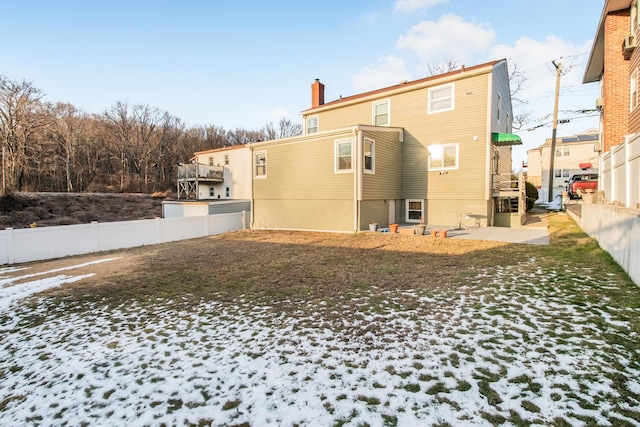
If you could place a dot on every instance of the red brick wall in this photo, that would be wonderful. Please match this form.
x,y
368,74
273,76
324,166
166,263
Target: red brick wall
x,y
616,81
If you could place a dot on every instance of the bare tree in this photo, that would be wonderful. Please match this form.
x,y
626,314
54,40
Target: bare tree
x,y
21,115
443,67
119,129
517,82
67,131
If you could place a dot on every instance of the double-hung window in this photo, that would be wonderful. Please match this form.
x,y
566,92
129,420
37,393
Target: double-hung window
x,y
443,157
381,113
226,159
312,124
440,98
369,156
343,155
211,163
260,164
563,151
633,91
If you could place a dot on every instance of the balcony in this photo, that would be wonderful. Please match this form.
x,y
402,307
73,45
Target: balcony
x,y
200,172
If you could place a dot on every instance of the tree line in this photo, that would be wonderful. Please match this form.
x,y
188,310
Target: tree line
x,y
127,148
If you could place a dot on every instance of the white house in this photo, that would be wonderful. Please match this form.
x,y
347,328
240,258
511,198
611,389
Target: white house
x,y
574,154
215,181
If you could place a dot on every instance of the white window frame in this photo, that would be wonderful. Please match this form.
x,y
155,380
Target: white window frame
x,y
306,124
226,159
211,161
255,164
633,91
373,156
431,101
409,201
227,192
434,147
562,173
386,102
336,157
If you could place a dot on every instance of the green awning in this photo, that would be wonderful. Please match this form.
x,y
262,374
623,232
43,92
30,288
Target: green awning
x,y
505,139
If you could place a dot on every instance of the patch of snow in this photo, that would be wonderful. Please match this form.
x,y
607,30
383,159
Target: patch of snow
x,y
506,348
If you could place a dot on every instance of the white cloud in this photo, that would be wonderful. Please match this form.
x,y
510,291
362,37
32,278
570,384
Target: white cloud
x,y
450,36
388,71
413,5
535,57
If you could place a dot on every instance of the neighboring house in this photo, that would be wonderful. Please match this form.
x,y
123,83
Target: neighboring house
x,y
614,62
215,181
435,149
574,154
222,173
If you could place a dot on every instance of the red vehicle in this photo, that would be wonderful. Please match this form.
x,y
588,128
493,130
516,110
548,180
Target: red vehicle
x,y
580,183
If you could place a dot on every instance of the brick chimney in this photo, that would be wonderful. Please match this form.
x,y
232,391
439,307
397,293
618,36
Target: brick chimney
x,y
317,94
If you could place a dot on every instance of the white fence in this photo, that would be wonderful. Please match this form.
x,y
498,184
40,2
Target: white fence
x,y
35,244
620,173
617,230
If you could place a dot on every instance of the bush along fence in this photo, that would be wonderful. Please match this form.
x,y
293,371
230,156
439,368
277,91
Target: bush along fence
x,y
37,244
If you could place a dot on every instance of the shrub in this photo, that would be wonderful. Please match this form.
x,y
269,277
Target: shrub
x,y
531,190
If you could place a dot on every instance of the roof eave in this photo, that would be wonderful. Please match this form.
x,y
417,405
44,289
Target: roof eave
x,y
427,81
595,65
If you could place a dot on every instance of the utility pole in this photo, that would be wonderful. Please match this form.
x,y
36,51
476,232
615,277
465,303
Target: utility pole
x,y
555,129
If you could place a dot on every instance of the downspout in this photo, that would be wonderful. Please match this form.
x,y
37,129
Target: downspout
x,y
489,155
357,180
251,205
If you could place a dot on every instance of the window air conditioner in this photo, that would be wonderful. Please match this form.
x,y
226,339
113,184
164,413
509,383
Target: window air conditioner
x,y
628,45
599,103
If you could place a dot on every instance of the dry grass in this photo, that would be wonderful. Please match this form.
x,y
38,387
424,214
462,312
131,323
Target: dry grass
x,y
289,266
20,210
390,315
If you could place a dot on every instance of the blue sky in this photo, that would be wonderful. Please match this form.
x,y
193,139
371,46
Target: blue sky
x,y
247,63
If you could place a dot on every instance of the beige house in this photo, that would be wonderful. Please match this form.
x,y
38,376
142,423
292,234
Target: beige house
x,y
574,154
218,174
214,181
437,148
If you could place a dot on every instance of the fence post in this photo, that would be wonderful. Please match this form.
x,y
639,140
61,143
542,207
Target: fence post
x,y
11,256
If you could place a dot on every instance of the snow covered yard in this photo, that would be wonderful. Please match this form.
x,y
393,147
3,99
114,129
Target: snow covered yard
x,y
529,343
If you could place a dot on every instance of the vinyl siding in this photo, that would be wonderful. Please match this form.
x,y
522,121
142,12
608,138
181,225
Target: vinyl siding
x,y
303,170
386,182
301,190
313,215
500,85
634,66
461,125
